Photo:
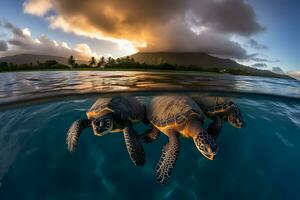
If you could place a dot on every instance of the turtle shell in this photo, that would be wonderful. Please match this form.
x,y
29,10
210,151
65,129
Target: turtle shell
x,y
164,111
128,108
212,105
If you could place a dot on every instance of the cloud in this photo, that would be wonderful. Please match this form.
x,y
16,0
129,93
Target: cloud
x,y
37,7
160,25
3,45
255,45
257,59
15,30
260,65
186,40
230,16
277,70
295,74
21,41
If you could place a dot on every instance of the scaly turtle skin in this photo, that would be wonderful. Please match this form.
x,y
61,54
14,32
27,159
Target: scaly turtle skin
x,y
113,114
177,116
220,110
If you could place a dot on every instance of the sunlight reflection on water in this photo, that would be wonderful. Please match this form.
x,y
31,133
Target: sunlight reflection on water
x,y
30,85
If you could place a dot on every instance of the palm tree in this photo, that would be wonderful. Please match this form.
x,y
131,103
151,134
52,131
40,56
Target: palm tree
x,y
127,59
92,61
111,61
101,62
71,61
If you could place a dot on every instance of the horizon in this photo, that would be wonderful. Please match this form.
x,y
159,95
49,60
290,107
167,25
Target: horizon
x,y
258,38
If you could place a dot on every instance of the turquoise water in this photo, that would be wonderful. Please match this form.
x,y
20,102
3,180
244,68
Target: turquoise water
x,y
260,161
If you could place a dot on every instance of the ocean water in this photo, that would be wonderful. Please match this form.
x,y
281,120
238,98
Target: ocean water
x,y
260,161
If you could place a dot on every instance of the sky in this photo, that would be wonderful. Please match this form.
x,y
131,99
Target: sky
x,y
259,33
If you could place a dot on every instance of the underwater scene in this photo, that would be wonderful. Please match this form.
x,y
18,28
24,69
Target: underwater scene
x,y
148,135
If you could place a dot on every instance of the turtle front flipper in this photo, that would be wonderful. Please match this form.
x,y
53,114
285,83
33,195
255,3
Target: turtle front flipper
x,y
215,127
167,159
133,145
150,135
205,143
74,133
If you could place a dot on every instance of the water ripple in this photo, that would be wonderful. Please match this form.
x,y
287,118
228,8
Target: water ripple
x,y
16,87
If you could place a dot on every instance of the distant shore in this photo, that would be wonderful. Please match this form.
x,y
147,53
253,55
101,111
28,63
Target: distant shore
x,y
128,64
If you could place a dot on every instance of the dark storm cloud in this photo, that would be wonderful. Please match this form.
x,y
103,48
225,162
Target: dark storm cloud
x,y
3,45
173,25
260,65
209,42
255,45
231,16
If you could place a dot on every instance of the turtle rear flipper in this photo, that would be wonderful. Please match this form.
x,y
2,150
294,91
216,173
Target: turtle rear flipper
x,y
133,145
150,135
167,160
215,127
74,132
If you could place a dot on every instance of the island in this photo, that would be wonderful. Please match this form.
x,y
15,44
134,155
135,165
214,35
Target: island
x,y
142,61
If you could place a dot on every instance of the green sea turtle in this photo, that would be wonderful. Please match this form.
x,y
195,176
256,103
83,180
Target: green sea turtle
x,y
177,116
114,114
220,110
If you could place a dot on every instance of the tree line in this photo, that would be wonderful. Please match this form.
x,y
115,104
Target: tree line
x,y
101,63
110,63
127,63
71,63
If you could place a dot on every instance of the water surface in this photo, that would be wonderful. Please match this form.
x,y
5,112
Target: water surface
x,y
22,86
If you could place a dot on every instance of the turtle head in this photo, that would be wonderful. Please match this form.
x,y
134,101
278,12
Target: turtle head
x,y
206,145
103,125
234,116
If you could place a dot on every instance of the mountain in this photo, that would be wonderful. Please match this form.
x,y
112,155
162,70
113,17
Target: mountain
x,y
185,59
202,60
30,58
